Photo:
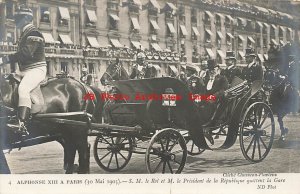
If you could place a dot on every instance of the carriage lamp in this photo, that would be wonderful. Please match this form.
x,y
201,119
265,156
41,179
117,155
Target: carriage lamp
x,y
169,98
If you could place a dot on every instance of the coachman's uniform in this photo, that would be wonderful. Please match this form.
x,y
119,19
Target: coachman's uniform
x,y
253,72
231,72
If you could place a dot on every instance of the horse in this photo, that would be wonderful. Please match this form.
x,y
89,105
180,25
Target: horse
x,y
61,95
281,81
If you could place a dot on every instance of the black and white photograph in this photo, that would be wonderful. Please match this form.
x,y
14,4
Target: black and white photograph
x,y
208,89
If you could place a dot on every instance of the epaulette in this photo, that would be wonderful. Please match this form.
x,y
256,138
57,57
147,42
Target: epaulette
x,y
35,39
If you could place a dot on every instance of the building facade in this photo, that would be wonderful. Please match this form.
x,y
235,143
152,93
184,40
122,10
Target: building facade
x,y
91,33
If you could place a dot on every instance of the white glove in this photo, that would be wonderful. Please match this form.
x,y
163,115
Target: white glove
x,y
1,61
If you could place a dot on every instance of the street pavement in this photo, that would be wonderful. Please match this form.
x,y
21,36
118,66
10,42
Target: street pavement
x,y
283,158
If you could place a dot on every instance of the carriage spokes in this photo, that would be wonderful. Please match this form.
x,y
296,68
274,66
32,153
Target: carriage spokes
x,y
257,132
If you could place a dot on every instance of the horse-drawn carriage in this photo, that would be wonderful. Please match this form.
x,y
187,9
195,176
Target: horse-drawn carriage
x,y
169,119
154,122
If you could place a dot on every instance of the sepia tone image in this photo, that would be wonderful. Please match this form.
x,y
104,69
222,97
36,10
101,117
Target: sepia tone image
x,y
149,86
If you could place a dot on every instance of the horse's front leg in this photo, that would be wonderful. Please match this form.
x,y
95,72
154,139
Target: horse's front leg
x,y
283,130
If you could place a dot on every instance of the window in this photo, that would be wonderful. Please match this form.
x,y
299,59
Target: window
x,y
91,68
45,14
207,17
91,18
229,39
207,37
135,26
64,67
258,42
113,22
9,9
153,26
64,16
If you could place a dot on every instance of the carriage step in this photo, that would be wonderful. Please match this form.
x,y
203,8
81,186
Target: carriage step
x,y
34,141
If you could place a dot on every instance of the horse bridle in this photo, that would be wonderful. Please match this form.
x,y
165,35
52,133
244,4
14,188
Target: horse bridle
x,y
118,70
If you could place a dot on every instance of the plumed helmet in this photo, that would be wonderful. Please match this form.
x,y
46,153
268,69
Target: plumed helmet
x,y
23,12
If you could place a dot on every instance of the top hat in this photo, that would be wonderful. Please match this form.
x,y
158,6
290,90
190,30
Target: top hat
x,y
230,55
211,64
250,52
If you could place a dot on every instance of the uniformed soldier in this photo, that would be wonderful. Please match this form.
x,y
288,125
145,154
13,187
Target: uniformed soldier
x,y
86,78
254,70
30,56
140,68
231,70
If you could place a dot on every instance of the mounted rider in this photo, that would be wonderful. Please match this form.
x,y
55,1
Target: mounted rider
x,y
30,57
140,68
231,70
254,70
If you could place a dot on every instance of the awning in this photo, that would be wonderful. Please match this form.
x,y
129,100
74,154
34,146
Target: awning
x,y
195,30
156,47
210,15
183,30
48,38
241,37
155,4
261,9
282,42
282,28
274,27
266,25
230,18
208,31
290,29
137,45
230,35
154,24
64,13
251,39
274,41
220,34
156,67
173,69
114,17
65,39
135,23
260,24
241,54
266,57
220,15
172,6
92,15
93,42
260,57
116,43
272,11
243,21
221,54
210,53
171,28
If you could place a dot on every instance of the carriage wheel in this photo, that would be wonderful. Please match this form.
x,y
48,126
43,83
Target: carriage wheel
x,y
166,152
112,153
257,132
192,149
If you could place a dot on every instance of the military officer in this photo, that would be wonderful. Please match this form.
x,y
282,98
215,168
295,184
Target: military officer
x,y
30,56
86,78
140,68
231,70
254,70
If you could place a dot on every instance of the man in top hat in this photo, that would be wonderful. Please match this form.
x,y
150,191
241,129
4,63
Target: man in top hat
x,y
231,70
254,70
30,56
140,68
